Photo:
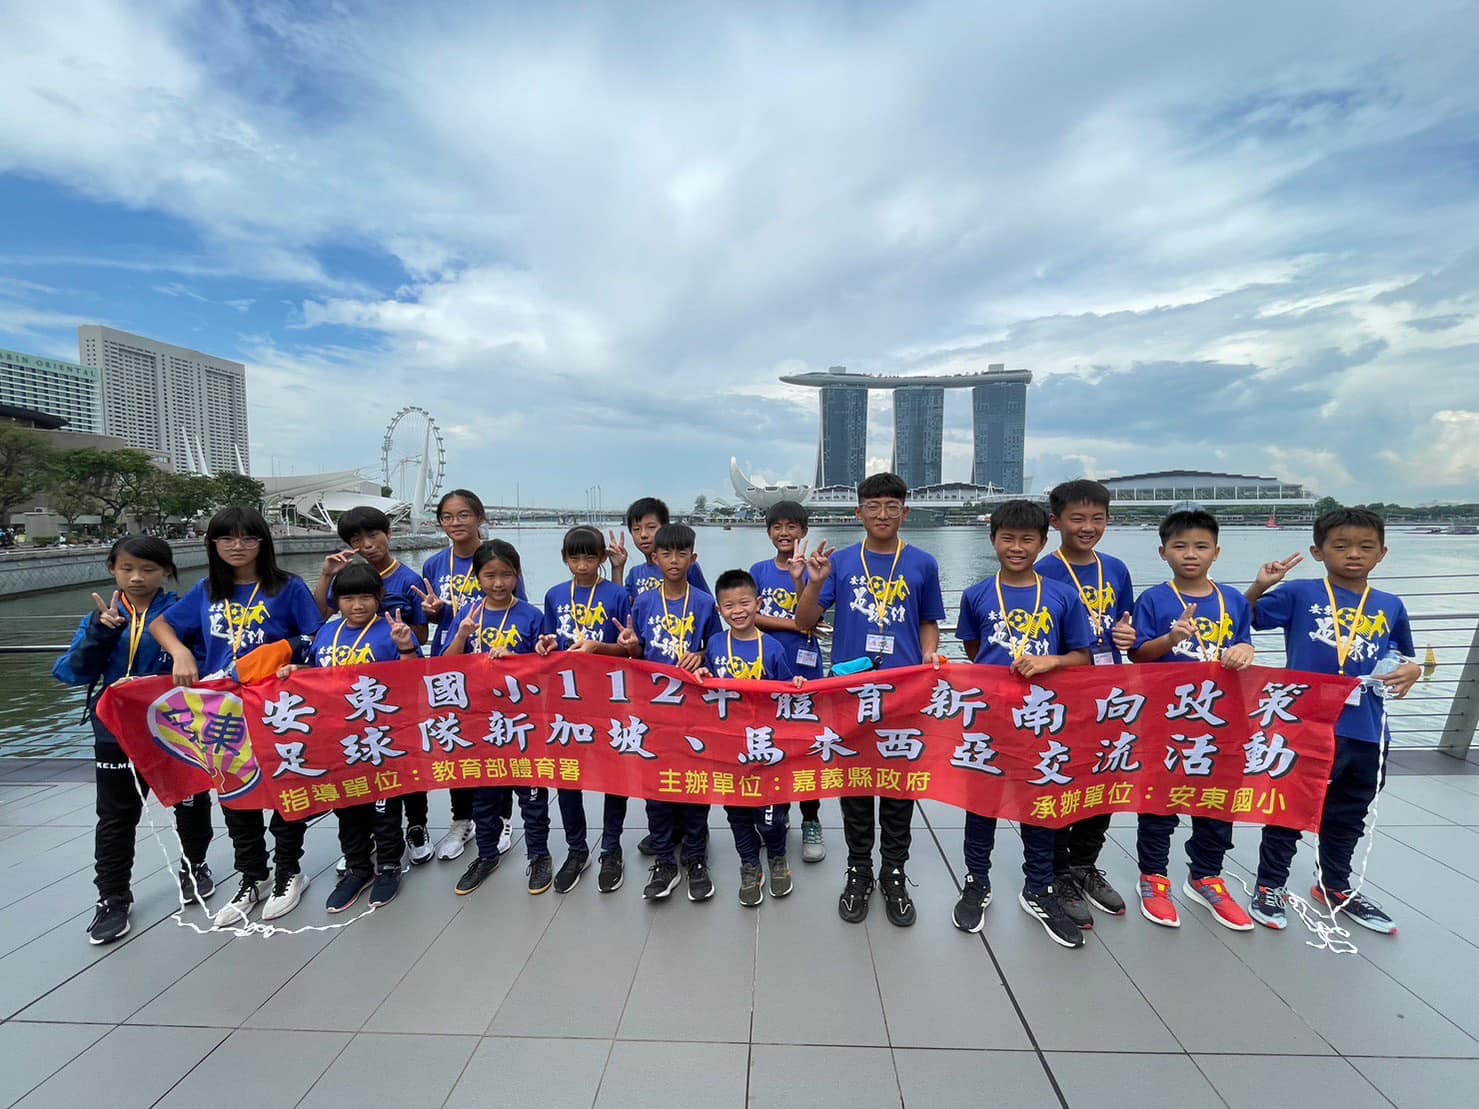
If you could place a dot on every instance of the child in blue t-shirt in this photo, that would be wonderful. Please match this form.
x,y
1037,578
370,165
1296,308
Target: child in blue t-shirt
x,y
1079,510
1019,618
673,624
1190,619
1337,626
587,614
244,602
645,518
500,626
887,607
780,581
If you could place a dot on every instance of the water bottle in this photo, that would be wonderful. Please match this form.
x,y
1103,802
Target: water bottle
x,y
1388,664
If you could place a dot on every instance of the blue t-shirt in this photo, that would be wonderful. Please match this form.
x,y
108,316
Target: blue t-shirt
x,y
1302,610
666,632
1054,624
748,660
778,600
872,602
334,645
573,612
227,635
398,596
1104,608
516,629
1219,626
646,575
453,580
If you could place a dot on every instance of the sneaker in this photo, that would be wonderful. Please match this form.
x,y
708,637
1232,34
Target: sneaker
x,y
664,880
813,847
1048,910
341,867
506,837
1364,911
1156,905
476,871
571,870
700,885
347,892
1072,900
645,846
780,877
1097,890
1267,907
110,922
287,891
387,885
752,885
196,881
541,873
852,906
451,844
970,910
610,877
1212,892
896,900
418,843
248,896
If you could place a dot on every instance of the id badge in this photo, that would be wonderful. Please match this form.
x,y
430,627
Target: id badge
x,y
880,644
807,657
1103,658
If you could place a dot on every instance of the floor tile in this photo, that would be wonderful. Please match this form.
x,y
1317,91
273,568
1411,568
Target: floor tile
x,y
128,1067
407,1072
254,1068
1157,1081
1249,1081
34,1052
784,1075
658,1075
1424,1083
503,1071
972,1079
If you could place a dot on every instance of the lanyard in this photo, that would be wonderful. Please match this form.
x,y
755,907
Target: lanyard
x,y
1020,645
590,599
136,628
682,620
355,647
1100,607
1196,629
456,595
238,631
881,599
1343,646
395,564
501,623
732,662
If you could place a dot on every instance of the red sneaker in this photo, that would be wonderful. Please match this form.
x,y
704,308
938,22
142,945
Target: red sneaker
x,y
1155,901
1212,892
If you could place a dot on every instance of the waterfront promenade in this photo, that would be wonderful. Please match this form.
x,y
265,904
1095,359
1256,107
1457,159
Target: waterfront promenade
x,y
505,999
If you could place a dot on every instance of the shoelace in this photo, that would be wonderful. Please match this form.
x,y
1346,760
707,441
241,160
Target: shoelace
x,y
280,884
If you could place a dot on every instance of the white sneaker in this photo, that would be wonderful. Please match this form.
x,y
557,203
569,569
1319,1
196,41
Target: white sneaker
x,y
286,893
418,844
451,844
506,837
341,867
237,911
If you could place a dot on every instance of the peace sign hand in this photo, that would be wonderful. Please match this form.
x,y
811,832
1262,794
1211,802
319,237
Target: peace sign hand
x,y
819,562
108,614
1184,628
401,634
797,565
616,553
628,637
431,604
1271,573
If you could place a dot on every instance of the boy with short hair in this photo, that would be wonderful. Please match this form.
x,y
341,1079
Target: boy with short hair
x,y
645,517
1020,618
672,624
780,581
1079,510
1174,623
888,609
1337,626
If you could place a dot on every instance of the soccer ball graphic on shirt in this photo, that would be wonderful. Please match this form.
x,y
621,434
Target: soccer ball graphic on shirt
x,y
206,728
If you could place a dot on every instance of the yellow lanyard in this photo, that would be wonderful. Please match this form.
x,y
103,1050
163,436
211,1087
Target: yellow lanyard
x,y
888,587
501,623
1020,645
395,564
759,652
1196,629
355,646
574,619
457,597
1343,646
238,630
1098,609
682,620
136,627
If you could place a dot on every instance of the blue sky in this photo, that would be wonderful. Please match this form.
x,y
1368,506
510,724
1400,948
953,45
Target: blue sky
x,y
1240,238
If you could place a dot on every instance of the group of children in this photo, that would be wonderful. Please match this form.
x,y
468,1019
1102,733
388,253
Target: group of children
x,y
1074,607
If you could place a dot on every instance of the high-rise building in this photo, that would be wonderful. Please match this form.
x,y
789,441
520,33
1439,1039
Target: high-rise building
x,y
919,434
50,385
842,449
999,417
171,401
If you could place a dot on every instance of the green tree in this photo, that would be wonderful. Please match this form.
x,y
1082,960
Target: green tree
x,y
238,490
115,480
25,467
182,496
1326,504
70,500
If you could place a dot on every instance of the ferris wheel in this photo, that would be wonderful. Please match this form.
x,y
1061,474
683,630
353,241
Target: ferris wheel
x,y
413,458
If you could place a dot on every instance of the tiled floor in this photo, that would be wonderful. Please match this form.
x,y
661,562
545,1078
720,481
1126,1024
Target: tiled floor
x,y
583,1000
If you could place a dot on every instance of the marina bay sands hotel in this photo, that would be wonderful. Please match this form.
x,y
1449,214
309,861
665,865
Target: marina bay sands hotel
x,y
998,409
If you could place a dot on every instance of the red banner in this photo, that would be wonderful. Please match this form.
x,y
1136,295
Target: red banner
x,y
1195,738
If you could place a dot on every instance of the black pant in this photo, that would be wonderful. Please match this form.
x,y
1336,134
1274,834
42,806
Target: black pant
x,y
572,815
462,803
492,808
674,825
415,808
1210,840
119,810
811,810
1079,844
754,828
1353,786
371,837
1037,852
894,816
249,839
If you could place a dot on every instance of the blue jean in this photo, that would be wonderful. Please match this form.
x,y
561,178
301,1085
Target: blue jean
x,y
1037,852
752,826
673,825
1353,786
1210,840
488,805
572,815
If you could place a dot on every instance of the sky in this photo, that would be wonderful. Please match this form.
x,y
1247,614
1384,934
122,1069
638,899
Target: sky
x,y
589,240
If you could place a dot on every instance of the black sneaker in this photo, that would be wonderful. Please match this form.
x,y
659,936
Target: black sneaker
x,y
541,873
387,885
970,910
196,881
752,885
1097,890
896,900
109,922
664,880
476,872
1072,899
1268,907
1045,908
700,885
852,906
347,892
418,844
610,877
1364,911
645,846
570,871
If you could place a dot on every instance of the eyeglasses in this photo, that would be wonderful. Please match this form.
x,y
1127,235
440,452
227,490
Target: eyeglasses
x,y
888,509
460,518
244,541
